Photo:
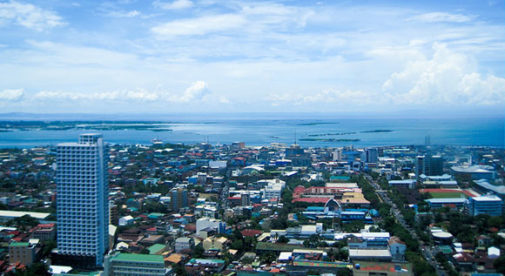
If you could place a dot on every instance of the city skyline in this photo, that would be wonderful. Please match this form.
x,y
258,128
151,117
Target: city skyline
x,y
242,56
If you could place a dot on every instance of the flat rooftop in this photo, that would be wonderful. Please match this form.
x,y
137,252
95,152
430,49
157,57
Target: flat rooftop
x,y
138,258
17,214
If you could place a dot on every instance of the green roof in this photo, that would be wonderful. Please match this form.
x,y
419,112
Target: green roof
x,y
139,258
339,177
155,215
20,244
155,248
445,249
216,261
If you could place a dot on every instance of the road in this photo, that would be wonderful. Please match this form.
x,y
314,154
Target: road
x,y
427,252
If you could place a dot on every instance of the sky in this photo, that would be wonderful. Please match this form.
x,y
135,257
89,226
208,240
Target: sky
x,y
190,56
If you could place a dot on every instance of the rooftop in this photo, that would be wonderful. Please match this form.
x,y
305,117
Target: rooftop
x,y
19,244
155,248
37,215
138,258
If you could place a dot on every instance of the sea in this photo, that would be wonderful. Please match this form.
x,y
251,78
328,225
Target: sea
x,y
307,131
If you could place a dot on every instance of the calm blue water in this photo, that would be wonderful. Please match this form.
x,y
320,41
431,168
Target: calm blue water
x,y
484,132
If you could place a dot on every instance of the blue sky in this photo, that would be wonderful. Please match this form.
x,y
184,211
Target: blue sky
x,y
251,56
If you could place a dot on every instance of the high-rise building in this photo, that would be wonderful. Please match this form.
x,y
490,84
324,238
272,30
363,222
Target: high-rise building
x,y
429,165
82,203
245,199
433,165
370,155
179,198
419,166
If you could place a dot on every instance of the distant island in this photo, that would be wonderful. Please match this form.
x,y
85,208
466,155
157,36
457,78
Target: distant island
x,y
376,130
330,140
6,126
316,123
331,134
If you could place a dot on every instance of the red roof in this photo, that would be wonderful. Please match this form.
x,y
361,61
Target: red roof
x,y
468,193
312,199
251,232
46,225
190,227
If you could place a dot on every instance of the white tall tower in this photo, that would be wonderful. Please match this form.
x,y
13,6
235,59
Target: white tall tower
x,y
82,198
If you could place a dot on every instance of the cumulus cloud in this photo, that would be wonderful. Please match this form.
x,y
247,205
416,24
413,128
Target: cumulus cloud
x,y
201,25
445,78
173,5
197,91
29,16
433,17
10,95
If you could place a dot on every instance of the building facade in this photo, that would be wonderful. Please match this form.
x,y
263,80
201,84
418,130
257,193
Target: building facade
x,y
82,204
123,264
23,252
179,198
488,205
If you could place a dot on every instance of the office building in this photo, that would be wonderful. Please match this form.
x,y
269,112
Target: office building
x,y
179,198
82,204
434,165
486,205
429,165
370,155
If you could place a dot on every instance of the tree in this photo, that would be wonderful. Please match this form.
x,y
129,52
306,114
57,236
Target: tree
x,y
198,251
499,265
283,239
38,269
237,244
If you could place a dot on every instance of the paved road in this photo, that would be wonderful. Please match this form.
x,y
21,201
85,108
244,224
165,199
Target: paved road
x,y
427,252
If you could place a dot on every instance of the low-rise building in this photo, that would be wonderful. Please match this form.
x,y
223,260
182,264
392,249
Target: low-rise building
x,y
184,244
23,252
135,264
45,232
198,266
487,205
358,254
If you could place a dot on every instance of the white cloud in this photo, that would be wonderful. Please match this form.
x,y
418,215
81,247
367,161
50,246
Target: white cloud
x,y
433,17
142,95
11,95
197,91
175,5
135,95
224,100
29,16
126,14
327,96
445,78
201,25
